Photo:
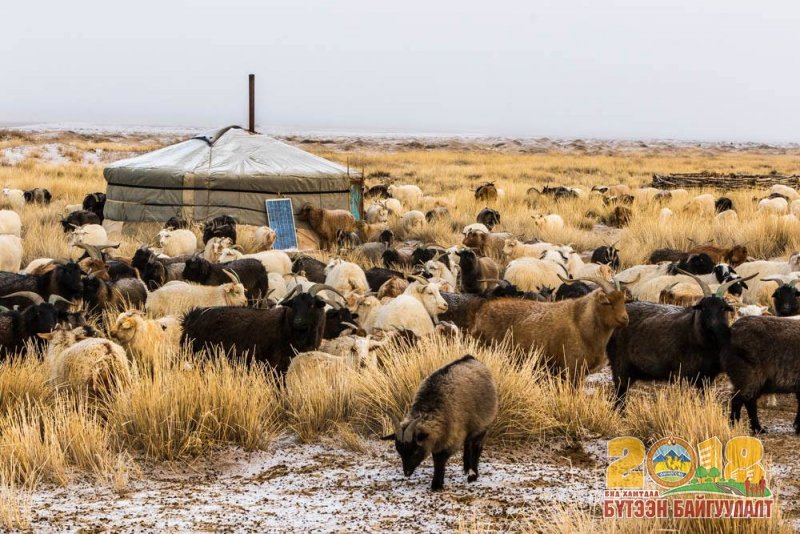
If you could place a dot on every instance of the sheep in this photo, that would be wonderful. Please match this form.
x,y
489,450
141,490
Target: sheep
x,y
269,336
325,223
38,195
701,205
393,206
566,256
264,238
514,249
95,203
594,270
548,223
377,213
531,274
177,297
10,223
345,276
14,198
488,217
486,192
177,242
775,206
358,352
786,191
141,336
220,226
754,371
214,248
572,333
417,309
412,220
373,252
249,272
662,342
727,217
477,274
393,287
439,213
83,364
409,195
10,253
751,310
64,280
18,327
79,218
274,261
665,215
89,234
99,294
452,408
277,287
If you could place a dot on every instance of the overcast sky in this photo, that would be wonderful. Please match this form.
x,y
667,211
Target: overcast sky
x,y
690,69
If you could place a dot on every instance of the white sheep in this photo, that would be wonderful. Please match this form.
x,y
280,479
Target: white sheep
x,y
751,310
180,242
10,253
88,234
215,246
14,198
514,248
549,222
141,336
177,297
70,208
532,274
10,223
726,217
417,309
775,206
377,213
701,205
264,238
566,256
785,190
274,261
665,215
594,270
409,195
760,291
84,365
475,228
345,277
412,220
358,352
277,286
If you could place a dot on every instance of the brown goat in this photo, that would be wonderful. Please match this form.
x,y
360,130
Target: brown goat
x,y
486,192
571,333
488,244
734,256
326,223
393,287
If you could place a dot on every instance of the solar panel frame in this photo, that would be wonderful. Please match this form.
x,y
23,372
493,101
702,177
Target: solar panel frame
x,y
280,217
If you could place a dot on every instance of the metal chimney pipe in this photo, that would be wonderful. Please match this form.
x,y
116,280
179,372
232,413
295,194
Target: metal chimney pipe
x,y
252,116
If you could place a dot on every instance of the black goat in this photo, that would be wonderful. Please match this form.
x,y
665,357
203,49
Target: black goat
x,y
377,191
606,255
79,218
336,321
663,342
574,290
785,298
95,203
438,213
313,268
723,204
488,217
99,294
423,254
18,327
761,358
176,223
64,281
222,226
348,240
155,271
270,336
394,258
37,196
250,272
377,276
693,264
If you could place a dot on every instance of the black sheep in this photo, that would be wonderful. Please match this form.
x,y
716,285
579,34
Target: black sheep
x,y
762,358
488,217
723,204
38,196
251,272
663,342
270,336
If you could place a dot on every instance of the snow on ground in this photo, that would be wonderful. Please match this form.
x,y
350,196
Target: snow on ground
x,y
297,486
15,155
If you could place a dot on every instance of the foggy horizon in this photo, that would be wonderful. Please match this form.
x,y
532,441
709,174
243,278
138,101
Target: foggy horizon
x,y
613,69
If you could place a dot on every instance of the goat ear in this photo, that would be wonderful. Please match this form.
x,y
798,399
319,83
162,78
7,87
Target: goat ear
x,y
389,437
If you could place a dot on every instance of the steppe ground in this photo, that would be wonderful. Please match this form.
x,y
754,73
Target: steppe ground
x,y
214,445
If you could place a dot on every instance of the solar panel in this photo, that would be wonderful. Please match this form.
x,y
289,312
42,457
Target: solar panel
x,y
280,218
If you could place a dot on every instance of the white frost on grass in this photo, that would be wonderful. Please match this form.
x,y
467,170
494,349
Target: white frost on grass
x,y
16,154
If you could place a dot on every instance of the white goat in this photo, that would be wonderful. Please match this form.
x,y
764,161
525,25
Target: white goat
x,y
177,297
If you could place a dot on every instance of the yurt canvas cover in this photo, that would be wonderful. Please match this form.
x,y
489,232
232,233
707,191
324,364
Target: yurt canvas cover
x,y
226,172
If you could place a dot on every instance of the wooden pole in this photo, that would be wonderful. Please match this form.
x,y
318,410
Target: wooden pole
x,y
252,116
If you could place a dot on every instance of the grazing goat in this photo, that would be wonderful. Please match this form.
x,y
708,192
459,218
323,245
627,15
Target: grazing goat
x,y
79,218
95,203
177,297
488,217
453,408
486,192
250,272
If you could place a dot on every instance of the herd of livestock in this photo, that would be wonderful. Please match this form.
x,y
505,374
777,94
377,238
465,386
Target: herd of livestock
x,y
686,313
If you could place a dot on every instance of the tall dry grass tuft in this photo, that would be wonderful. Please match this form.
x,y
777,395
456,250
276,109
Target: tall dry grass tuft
x,y
318,399
15,507
681,410
187,410
23,380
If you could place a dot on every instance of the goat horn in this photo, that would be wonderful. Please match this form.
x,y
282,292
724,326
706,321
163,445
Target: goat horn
x,y
92,250
422,281
721,290
398,431
58,298
30,295
605,285
316,288
792,283
408,435
619,283
706,290
774,278
296,289
108,245
233,276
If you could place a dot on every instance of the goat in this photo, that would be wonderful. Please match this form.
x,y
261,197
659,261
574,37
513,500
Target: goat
x,y
325,223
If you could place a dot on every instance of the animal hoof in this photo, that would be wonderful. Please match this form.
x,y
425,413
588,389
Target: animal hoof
x,y
473,477
437,487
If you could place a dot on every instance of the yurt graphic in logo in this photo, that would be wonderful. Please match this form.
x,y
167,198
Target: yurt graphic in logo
x,y
671,462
